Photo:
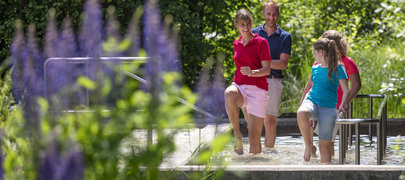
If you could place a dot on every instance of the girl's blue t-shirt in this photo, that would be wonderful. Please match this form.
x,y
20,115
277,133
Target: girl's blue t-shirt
x,y
324,91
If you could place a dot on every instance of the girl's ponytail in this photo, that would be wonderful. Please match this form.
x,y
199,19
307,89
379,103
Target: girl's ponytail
x,y
331,54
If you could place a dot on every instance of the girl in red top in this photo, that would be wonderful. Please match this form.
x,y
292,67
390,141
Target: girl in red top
x,y
249,88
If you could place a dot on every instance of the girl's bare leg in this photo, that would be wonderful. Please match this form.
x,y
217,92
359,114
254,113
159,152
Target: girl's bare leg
x,y
305,128
324,149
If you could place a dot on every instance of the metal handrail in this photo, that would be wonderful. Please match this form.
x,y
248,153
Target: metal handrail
x,y
113,60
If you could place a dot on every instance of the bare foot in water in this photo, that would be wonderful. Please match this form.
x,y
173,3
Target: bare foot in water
x,y
238,146
307,153
313,153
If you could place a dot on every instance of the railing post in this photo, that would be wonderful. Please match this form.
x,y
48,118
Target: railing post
x,y
384,126
370,115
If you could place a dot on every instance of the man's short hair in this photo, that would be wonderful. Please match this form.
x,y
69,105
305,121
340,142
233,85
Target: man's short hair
x,y
271,3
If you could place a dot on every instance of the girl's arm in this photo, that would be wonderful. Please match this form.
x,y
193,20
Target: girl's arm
x,y
344,105
308,87
264,71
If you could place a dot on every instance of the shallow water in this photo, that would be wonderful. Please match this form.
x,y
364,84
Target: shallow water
x,y
289,150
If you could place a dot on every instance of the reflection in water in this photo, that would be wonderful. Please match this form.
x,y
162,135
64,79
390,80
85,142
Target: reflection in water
x,y
289,150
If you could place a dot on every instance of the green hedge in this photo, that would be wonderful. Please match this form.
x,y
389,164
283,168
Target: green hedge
x,y
206,30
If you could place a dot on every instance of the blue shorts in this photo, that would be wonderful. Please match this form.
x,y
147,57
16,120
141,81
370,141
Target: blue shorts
x,y
326,118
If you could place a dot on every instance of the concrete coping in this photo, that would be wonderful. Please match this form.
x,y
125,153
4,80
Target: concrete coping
x,y
291,168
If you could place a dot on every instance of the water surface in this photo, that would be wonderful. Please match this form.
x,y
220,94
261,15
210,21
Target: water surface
x,y
289,150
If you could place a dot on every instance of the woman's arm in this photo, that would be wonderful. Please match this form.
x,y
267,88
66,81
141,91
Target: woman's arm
x,y
308,87
356,86
345,88
265,70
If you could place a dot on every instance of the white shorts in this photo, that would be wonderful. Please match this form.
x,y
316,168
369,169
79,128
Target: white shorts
x,y
275,90
255,99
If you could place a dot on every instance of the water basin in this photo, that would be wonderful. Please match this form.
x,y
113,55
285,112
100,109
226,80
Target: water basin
x,y
289,150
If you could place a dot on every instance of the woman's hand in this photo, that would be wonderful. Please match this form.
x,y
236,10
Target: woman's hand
x,y
342,110
245,70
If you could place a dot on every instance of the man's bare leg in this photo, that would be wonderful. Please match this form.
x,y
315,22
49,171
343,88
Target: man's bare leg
x,y
270,124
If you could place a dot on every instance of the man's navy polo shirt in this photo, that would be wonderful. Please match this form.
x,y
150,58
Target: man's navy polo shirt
x,y
279,42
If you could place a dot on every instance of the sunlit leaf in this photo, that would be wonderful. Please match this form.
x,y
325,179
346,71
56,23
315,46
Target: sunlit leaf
x,y
86,82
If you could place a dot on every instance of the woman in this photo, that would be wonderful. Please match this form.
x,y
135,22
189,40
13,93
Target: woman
x,y
249,87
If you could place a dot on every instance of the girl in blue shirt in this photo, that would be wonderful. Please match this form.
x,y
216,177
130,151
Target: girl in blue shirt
x,y
320,104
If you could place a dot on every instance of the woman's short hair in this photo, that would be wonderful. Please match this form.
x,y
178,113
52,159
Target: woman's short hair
x,y
243,15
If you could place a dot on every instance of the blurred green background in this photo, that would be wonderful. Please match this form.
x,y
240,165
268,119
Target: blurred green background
x,y
375,30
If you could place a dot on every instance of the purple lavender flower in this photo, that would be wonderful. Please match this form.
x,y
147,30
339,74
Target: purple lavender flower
x,y
73,165
159,45
91,30
211,98
133,34
18,60
56,75
203,87
113,27
50,161
152,34
67,39
35,59
91,36
168,51
218,97
1,164
69,49
33,80
51,37
55,165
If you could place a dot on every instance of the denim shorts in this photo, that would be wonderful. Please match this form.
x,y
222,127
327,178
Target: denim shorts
x,y
326,118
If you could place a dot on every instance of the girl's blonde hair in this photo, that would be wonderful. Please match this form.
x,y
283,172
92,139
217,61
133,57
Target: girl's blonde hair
x,y
331,54
340,41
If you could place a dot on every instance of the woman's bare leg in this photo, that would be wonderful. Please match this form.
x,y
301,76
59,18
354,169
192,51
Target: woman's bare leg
x,y
233,101
245,114
255,127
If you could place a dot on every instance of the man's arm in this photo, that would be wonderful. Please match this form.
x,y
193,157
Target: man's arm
x,y
281,63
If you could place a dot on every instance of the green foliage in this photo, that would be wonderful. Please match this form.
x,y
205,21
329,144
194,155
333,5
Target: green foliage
x,y
206,30
366,24
100,135
375,30
381,71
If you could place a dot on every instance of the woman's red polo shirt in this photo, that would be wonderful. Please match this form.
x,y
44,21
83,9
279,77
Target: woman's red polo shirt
x,y
255,51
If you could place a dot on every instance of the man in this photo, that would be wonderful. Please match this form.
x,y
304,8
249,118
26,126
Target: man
x,y
280,50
